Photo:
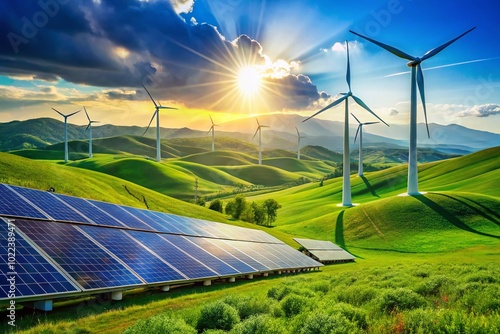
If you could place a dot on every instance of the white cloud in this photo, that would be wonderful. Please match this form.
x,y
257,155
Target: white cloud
x,y
483,110
354,47
182,6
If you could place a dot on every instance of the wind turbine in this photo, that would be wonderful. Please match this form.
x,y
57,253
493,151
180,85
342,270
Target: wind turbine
x,y
89,127
259,130
346,185
417,78
212,128
299,137
66,131
360,131
157,114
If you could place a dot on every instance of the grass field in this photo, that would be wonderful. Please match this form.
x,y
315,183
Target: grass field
x,y
425,264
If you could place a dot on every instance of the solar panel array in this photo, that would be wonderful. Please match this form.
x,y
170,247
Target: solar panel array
x,y
67,245
325,251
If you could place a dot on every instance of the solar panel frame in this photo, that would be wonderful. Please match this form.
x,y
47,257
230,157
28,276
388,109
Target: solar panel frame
x,y
230,247
117,212
311,244
34,274
75,253
332,255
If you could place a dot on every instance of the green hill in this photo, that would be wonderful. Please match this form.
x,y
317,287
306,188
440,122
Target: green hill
x,y
321,153
261,174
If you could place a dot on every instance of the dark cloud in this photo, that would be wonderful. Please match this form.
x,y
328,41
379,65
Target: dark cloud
x,y
126,43
394,112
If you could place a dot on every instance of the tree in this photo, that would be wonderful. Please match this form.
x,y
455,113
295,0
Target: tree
x,y
230,207
259,213
236,206
271,207
248,214
200,201
216,205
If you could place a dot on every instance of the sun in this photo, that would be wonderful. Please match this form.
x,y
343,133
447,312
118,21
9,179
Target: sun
x,y
249,80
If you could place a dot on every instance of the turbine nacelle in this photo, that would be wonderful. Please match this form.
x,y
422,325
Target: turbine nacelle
x,y
414,62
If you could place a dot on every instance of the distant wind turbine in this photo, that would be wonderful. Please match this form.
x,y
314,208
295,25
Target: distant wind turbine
x,y
158,106
417,78
212,128
299,137
360,131
259,130
346,185
66,131
89,127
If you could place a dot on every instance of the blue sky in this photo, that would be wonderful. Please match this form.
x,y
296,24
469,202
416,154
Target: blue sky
x,y
192,55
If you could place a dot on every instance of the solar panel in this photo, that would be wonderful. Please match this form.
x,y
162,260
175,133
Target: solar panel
x,y
11,204
51,205
94,214
310,244
291,255
220,253
177,258
33,274
82,259
145,263
256,251
120,214
167,225
214,263
231,247
325,251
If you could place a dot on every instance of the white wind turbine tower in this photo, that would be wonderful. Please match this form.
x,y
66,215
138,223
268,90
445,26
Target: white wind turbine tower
x,y
89,127
66,131
259,130
360,131
212,128
417,78
299,137
157,114
346,185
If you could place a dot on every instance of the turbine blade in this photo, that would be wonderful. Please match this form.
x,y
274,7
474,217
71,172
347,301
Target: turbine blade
x,y
435,51
389,48
363,105
357,131
162,107
298,133
333,104
258,124
420,83
258,128
88,126
151,121
150,96
210,129
76,112
211,120
348,73
87,114
357,120
370,123
60,113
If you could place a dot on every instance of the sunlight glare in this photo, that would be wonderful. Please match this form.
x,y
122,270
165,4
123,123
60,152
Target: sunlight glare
x,y
249,80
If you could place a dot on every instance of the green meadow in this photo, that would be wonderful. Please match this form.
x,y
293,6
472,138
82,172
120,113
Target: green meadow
x,y
425,264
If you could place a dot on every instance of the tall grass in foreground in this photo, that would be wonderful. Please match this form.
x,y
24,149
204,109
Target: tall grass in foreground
x,y
401,298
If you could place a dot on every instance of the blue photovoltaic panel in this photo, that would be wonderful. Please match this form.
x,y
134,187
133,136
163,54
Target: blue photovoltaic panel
x,y
257,251
90,211
81,258
11,204
174,256
51,205
34,275
123,216
280,258
149,219
143,262
217,265
232,260
212,228
232,248
171,220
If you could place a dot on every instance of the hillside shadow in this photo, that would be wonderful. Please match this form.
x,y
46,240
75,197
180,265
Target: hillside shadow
x,y
339,234
450,217
369,186
485,212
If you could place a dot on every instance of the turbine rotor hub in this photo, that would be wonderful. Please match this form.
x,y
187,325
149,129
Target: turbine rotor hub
x,y
414,62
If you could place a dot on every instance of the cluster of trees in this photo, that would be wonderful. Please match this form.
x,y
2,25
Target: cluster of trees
x,y
238,208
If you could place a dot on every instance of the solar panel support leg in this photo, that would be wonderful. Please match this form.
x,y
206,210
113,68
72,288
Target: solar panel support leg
x,y
250,276
279,272
43,305
207,282
116,295
165,288
232,279
265,274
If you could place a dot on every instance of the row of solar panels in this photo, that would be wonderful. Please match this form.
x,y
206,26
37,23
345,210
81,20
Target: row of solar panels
x,y
62,258
43,205
325,251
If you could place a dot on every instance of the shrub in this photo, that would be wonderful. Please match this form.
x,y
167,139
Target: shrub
x,y
260,324
160,323
432,286
400,299
320,322
356,295
216,205
278,293
293,304
353,314
248,306
217,315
